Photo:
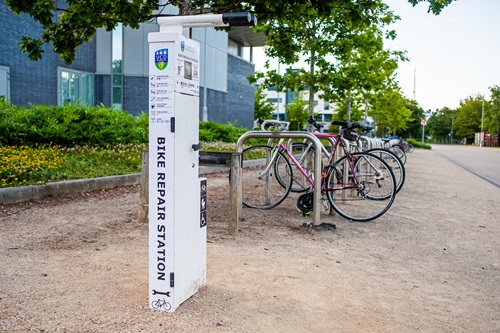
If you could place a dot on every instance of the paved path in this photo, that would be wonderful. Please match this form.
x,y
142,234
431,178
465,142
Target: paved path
x,y
483,162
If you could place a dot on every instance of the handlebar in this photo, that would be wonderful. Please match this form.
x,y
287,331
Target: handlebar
x,y
314,123
353,125
266,125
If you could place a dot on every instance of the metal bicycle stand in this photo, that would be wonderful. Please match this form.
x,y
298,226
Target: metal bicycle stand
x,y
236,174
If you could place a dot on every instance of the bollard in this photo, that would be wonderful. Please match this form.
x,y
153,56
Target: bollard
x,y
235,188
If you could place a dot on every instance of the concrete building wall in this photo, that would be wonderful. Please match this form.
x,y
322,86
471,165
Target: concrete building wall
x,y
135,94
229,95
34,81
240,93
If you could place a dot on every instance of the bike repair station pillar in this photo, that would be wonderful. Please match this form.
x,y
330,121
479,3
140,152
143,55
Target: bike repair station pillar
x,y
177,196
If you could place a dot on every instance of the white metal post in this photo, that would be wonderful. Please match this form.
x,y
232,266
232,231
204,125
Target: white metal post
x,y
177,196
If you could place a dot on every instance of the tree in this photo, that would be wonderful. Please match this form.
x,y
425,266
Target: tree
x,y
364,67
414,128
263,108
390,112
344,54
297,113
468,117
492,112
69,26
356,110
439,124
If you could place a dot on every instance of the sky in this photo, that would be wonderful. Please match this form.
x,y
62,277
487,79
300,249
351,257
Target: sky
x,y
453,55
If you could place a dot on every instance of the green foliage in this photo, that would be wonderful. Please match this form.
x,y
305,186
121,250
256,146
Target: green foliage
x,y
468,117
69,27
389,109
435,6
69,125
356,110
414,129
492,112
263,109
439,125
418,144
297,113
66,28
211,131
39,165
346,56
25,165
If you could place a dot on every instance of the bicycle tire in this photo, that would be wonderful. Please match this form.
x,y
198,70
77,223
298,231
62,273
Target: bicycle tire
x,y
260,188
399,151
300,151
394,162
371,198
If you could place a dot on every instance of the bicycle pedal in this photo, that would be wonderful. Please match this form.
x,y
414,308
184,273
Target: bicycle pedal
x,y
326,205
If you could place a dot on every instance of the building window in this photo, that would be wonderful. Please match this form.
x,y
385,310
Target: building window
x,y
75,87
5,82
275,100
117,68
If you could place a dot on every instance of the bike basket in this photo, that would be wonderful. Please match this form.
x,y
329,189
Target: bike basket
x,y
350,134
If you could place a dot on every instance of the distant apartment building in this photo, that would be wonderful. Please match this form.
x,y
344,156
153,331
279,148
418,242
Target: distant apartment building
x,y
323,109
112,69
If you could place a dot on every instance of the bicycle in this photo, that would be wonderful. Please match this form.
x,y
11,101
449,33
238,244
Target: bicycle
x,y
358,186
407,147
305,149
394,148
389,156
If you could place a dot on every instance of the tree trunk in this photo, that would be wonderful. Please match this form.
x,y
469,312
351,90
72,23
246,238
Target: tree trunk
x,y
349,105
311,87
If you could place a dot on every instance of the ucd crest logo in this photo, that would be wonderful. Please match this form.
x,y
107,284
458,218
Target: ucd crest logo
x,y
182,46
161,59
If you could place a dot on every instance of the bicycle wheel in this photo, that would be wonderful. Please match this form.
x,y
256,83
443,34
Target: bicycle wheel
x,y
399,151
397,167
260,187
360,187
301,152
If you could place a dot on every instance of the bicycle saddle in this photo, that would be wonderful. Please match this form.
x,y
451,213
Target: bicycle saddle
x,y
347,124
366,128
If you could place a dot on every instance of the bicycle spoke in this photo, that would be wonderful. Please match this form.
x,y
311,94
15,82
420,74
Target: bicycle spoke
x,y
362,191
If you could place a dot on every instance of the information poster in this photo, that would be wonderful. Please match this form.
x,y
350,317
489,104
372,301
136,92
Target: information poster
x,y
161,169
187,74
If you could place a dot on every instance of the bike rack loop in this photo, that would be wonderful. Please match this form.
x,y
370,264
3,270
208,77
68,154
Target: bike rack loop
x,y
235,193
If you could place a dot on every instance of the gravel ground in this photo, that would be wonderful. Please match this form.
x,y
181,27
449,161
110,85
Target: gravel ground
x,y
78,263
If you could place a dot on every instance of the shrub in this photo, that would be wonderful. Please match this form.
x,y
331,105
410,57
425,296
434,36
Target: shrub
x,y
211,131
418,144
69,125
